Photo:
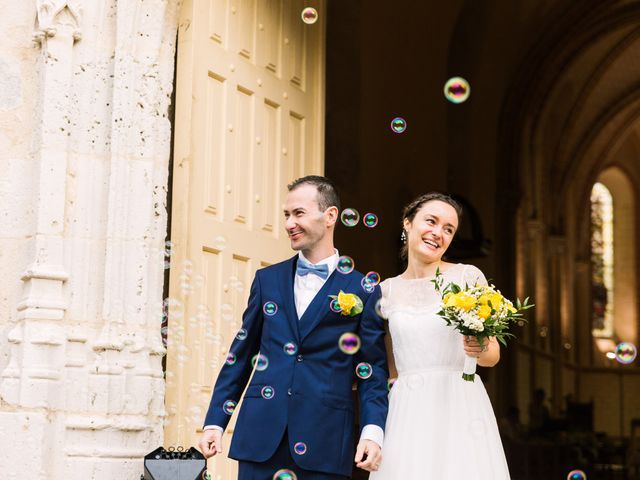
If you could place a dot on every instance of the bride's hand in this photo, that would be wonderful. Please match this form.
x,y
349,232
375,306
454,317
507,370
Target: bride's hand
x,y
472,346
488,354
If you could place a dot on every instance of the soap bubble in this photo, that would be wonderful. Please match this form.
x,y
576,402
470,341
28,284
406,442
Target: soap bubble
x,y
309,15
350,217
457,90
398,125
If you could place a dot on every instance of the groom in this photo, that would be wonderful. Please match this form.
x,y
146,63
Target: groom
x,y
297,412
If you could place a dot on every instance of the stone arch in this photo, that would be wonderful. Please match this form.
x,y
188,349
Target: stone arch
x,y
573,107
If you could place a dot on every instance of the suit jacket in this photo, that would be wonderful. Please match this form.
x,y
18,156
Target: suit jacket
x,y
311,389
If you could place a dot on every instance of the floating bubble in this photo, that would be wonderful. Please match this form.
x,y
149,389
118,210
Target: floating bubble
x,y
284,474
220,243
379,309
370,220
229,407
215,338
364,370
242,334
350,217
290,348
270,309
373,277
390,383
349,343
231,358
457,90
172,304
335,306
309,15
576,475
260,362
236,284
267,392
367,285
626,353
345,264
187,267
199,280
398,125
226,311
300,448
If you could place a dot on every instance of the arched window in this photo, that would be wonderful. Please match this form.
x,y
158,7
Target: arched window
x,y
602,266
613,260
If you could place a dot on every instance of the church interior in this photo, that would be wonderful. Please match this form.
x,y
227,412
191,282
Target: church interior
x,y
544,156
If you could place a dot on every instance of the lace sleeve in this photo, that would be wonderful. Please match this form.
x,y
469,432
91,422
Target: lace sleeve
x,y
385,287
473,275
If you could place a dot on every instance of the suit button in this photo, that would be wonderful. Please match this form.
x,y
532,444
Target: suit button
x,y
299,358
289,391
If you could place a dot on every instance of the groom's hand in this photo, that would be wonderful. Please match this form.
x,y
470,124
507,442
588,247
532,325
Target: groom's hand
x,y
371,450
210,443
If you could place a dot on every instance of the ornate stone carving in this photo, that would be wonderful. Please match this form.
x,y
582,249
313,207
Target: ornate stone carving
x,y
53,14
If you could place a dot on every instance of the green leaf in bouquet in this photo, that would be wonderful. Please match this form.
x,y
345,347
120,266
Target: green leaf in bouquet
x,y
357,308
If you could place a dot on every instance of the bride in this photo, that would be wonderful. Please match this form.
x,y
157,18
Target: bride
x,y
439,427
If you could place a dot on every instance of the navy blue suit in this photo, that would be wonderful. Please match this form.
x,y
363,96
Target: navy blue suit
x,y
312,401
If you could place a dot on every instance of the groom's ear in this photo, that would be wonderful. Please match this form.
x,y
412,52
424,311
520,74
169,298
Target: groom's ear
x,y
331,215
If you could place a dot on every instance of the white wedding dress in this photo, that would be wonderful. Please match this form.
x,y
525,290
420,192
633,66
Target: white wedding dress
x,y
439,427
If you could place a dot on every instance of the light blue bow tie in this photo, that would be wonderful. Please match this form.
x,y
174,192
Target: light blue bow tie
x,y
304,268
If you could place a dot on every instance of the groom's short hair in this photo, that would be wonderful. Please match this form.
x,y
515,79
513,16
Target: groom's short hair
x,y
327,193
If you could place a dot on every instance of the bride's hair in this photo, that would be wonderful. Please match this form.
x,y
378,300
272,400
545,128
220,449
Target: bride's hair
x,y
409,212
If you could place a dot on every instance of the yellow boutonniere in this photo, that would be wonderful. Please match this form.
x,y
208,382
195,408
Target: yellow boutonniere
x,y
348,303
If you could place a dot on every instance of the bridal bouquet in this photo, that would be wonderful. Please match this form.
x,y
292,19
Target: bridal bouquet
x,y
478,311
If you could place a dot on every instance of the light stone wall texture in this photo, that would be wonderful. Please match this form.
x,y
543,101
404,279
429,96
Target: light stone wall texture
x,y
85,89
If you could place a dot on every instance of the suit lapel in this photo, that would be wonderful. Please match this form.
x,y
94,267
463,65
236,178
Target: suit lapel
x,y
286,292
319,306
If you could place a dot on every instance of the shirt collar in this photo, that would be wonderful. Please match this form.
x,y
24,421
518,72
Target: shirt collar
x,y
331,262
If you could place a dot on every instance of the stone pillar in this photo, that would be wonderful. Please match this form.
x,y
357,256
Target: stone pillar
x,y
558,324
538,278
583,339
83,390
32,381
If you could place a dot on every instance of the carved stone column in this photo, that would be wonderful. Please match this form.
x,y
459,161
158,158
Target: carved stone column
x,y
32,382
83,390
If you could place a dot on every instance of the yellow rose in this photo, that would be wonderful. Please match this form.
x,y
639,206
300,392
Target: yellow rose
x,y
494,298
484,311
346,301
465,302
450,300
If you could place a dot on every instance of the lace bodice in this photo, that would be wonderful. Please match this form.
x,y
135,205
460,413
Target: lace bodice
x,y
421,339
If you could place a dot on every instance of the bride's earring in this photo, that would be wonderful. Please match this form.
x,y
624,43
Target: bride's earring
x,y
403,236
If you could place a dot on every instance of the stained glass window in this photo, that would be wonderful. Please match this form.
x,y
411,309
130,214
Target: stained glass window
x,y
602,261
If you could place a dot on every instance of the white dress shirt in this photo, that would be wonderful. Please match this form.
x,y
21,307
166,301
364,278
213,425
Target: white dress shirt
x,y
305,288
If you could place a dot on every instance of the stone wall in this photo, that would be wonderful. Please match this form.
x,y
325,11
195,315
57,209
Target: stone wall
x,y
85,89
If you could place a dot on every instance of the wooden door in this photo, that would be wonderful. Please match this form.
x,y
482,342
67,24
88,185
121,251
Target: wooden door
x,y
249,120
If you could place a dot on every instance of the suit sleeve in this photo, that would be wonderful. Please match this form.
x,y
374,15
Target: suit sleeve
x,y
372,391
233,378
